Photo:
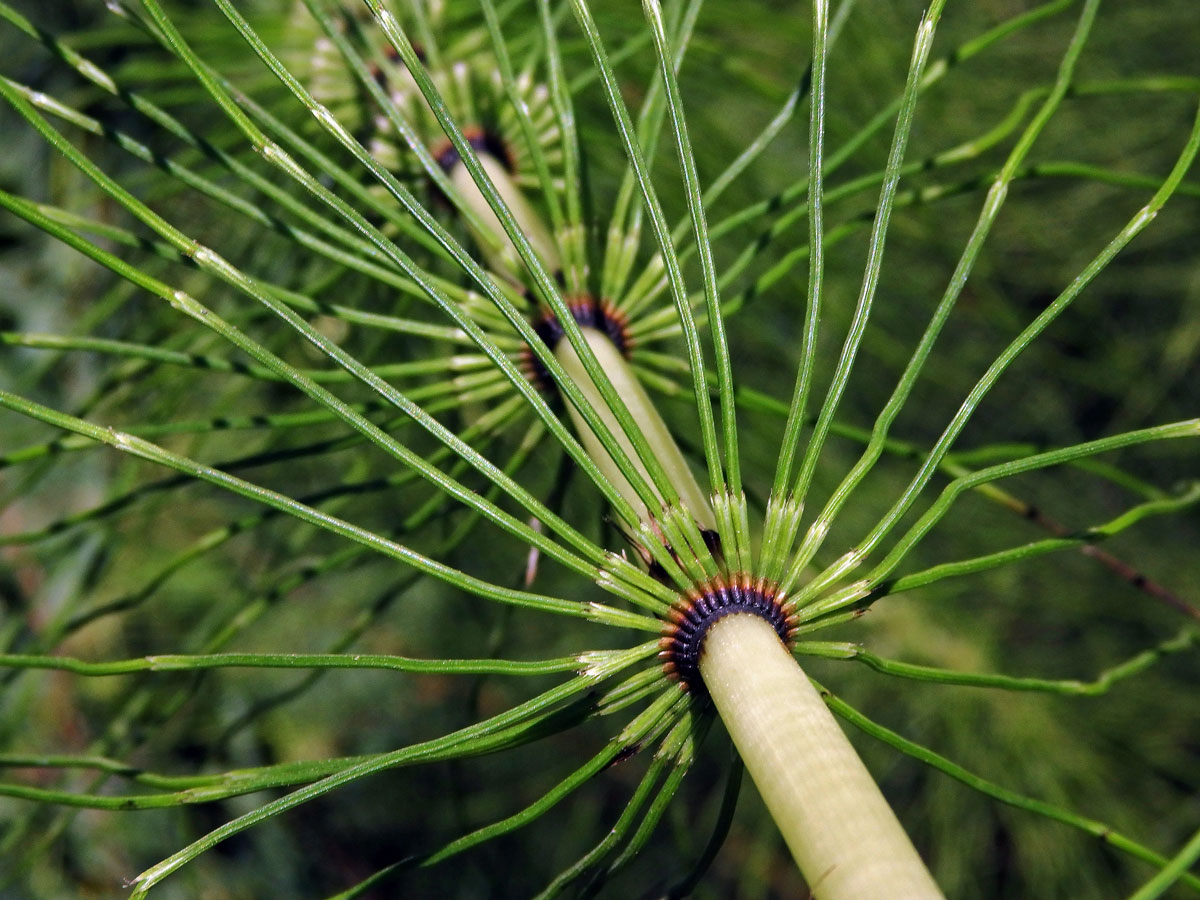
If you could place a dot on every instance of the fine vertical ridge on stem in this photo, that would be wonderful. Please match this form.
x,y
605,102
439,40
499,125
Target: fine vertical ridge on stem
x,y
840,829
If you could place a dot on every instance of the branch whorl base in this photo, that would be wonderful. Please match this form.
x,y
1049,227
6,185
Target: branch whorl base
x,y
587,313
482,140
695,613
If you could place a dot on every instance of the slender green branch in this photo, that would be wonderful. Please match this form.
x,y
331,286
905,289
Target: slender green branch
x,y
497,732
1050,811
887,195
653,427
1101,684
1086,538
956,488
816,262
1134,227
732,476
720,831
991,209
469,158
644,728
189,306
177,662
148,451
658,222
1172,872
208,362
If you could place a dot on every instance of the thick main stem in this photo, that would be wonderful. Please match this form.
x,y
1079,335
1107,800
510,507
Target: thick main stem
x,y
505,258
641,407
840,829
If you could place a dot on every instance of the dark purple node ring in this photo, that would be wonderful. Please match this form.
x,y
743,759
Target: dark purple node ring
x,y
694,614
587,313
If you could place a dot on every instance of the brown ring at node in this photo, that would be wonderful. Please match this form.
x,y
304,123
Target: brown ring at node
x,y
696,612
587,313
393,60
482,140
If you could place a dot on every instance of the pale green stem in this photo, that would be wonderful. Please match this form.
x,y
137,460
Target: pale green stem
x,y
505,258
645,414
840,829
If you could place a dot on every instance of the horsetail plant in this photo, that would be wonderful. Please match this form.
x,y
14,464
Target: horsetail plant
x,y
438,236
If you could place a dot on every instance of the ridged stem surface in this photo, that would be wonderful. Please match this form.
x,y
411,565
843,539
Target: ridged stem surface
x,y
840,829
646,416
506,257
